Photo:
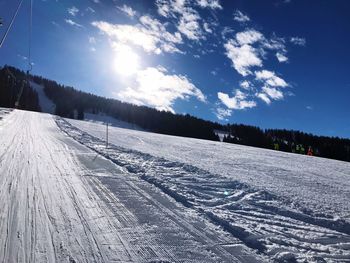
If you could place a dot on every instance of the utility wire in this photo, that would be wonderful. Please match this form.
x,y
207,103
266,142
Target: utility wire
x,y
30,65
10,25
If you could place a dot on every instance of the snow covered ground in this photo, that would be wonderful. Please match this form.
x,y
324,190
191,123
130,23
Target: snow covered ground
x,y
63,202
65,197
284,206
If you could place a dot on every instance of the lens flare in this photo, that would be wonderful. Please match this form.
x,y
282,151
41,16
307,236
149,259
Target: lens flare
x,y
126,62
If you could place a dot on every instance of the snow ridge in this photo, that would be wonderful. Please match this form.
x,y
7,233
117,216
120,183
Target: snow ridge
x,y
272,225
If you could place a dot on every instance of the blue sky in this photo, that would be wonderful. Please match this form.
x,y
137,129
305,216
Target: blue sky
x,y
274,64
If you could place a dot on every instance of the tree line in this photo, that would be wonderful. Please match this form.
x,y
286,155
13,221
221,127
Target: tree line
x,y
72,103
15,91
288,141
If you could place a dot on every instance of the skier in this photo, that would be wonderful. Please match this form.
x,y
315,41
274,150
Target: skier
x,y
310,152
277,147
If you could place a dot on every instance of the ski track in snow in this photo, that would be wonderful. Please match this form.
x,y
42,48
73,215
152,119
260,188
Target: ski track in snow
x,y
62,202
275,225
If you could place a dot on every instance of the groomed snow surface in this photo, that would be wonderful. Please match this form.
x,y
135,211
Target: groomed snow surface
x,y
286,206
65,197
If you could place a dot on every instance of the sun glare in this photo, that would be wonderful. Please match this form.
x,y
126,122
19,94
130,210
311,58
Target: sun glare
x,y
126,62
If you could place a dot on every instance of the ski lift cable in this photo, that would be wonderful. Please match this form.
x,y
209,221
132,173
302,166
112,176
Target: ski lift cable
x,y
10,25
30,66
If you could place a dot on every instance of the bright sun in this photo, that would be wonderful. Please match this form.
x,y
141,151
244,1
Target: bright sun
x,y
126,61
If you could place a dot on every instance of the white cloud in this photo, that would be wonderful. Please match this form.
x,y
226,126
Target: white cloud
x,y
281,57
73,10
72,23
249,37
188,20
247,50
273,93
270,78
275,43
226,31
238,102
150,34
309,107
189,26
154,27
96,1
245,84
240,17
127,10
212,4
267,94
153,87
207,28
264,97
242,57
222,113
164,7
298,41
242,53
90,9
257,47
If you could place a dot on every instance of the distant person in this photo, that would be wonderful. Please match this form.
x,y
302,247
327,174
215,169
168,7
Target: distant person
x,y
310,152
276,147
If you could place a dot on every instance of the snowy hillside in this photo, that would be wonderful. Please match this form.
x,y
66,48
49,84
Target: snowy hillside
x,y
284,205
45,103
49,106
104,119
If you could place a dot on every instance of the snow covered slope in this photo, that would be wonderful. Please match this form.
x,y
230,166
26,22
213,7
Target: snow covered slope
x,y
103,119
45,103
49,106
62,202
288,207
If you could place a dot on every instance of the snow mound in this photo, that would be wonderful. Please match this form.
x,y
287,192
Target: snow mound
x,y
45,103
